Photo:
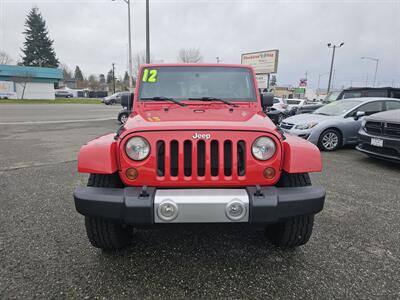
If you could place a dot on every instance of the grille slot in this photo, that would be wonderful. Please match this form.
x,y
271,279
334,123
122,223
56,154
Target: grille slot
x,y
201,158
241,155
205,159
160,158
228,158
174,156
285,125
214,158
187,153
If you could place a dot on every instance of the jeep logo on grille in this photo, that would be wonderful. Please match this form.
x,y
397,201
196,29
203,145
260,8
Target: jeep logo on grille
x,y
204,136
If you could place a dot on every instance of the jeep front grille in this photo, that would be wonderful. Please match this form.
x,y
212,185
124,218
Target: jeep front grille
x,y
201,158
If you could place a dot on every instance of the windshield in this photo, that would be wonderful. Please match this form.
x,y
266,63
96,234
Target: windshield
x,y
182,83
336,108
332,96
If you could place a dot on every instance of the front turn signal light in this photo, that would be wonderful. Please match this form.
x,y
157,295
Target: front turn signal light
x,y
132,173
269,173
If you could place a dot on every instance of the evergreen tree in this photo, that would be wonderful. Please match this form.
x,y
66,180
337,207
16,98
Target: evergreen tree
x,y
38,47
102,78
78,73
126,76
110,76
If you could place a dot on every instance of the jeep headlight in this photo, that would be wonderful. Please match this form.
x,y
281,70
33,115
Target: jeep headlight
x,y
263,148
137,148
306,126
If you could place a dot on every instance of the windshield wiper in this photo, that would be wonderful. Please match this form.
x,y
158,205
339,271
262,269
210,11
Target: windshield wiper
x,y
214,99
164,99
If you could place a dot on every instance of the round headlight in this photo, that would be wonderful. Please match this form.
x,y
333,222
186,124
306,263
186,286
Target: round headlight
x,y
263,148
137,148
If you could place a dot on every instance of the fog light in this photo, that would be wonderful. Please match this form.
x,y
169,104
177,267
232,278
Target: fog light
x,y
235,210
167,210
132,173
269,173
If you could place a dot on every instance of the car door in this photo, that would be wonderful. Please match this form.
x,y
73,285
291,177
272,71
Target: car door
x,y
353,125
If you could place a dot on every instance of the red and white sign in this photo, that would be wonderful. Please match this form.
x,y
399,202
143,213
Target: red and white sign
x,y
263,62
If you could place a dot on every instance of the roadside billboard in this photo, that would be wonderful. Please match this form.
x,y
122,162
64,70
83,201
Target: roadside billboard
x,y
263,62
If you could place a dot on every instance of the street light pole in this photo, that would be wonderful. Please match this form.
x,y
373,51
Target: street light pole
x,y
333,58
147,33
376,65
130,43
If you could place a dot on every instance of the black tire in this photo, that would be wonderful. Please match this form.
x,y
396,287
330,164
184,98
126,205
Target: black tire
x,y
333,135
123,117
297,231
106,234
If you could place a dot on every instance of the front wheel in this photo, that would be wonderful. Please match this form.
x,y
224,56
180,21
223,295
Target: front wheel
x,y
296,231
102,233
330,140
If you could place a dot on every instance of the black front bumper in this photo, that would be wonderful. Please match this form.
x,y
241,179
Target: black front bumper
x,y
389,151
129,205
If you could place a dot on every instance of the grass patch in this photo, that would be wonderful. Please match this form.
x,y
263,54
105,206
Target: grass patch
x,y
56,101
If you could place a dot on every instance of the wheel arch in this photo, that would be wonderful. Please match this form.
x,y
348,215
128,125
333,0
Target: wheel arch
x,y
300,156
99,156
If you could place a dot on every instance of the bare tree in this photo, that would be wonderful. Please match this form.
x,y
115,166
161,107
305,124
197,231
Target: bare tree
x,y
68,74
22,80
5,59
190,55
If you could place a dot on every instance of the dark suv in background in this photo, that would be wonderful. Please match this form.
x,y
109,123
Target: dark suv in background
x,y
385,92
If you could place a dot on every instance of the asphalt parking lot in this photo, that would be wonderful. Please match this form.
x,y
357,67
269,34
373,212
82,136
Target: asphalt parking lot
x,y
44,253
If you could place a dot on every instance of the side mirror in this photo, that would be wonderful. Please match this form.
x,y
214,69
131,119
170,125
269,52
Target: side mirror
x,y
359,114
127,101
267,100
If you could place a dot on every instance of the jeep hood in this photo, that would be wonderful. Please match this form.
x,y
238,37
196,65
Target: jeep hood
x,y
201,118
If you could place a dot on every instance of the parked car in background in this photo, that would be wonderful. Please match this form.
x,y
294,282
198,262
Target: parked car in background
x,y
276,115
293,105
308,108
379,135
278,111
63,94
114,98
336,124
127,105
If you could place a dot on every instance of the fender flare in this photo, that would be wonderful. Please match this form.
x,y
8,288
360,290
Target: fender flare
x,y
99,156
300,156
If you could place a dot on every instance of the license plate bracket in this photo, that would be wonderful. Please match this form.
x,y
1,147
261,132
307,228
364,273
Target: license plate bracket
x,y
376,142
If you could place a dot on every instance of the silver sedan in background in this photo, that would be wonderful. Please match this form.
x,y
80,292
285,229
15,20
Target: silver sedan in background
x,y
336,124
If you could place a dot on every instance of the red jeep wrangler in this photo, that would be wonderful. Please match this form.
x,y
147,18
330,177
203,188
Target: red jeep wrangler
x,y
197,148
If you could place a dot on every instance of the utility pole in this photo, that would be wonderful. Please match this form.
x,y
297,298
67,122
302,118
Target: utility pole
x,y
113,70
147,33
333,58
376,65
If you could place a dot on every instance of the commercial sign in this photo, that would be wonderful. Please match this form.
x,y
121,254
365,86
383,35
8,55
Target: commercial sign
x,y
262,80
263,62
7,89
303,82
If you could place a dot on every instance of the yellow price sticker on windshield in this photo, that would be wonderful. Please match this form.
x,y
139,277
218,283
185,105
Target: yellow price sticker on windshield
x,y
149,75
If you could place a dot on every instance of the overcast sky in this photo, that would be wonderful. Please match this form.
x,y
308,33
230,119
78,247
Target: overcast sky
x,y
93,34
